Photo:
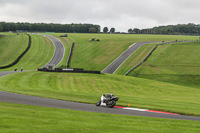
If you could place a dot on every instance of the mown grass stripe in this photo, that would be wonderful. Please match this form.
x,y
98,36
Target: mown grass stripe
x,y
39,54
140,93
178,64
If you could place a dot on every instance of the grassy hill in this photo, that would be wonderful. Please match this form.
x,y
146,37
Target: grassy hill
x,y
90,55
177,66
39,54
97,55
88,88
11,46
94,55
178,63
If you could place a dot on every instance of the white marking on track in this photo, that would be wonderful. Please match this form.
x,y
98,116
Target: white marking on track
x,y
136,109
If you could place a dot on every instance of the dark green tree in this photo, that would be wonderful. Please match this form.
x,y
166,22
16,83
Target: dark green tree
x,y
136,31
92,30
112,30
1,28
130,30
105,29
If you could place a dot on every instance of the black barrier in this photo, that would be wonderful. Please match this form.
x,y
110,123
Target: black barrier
x,y
69,71
17,60
70,54
152,52
78,69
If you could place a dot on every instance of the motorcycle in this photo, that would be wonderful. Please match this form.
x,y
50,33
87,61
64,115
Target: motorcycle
x,y
108,100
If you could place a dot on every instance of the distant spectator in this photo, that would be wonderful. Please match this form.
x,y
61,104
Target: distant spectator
x,y
15,68
21,69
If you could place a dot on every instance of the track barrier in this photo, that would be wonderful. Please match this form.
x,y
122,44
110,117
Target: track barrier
x,y
71,70
70,54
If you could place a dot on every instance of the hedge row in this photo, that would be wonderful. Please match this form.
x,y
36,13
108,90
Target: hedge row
x,y
70,54
17,60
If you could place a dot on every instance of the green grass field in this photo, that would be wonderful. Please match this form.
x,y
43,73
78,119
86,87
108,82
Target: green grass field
x,y
24,118
179,95
90,55
88,88
97,55
39,54
178,63
11,46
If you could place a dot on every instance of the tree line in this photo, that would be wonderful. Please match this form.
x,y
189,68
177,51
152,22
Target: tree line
x,y
106,30
180,29
51,27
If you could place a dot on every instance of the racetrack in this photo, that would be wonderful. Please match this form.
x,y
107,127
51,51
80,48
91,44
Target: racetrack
x,y
6,73
112,67
46,102
59,51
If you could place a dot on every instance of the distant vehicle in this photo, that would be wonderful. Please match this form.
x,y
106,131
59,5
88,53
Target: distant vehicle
x,y
65,35
108,100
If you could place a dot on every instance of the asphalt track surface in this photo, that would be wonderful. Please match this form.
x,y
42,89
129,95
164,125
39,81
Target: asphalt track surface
x,y
46,102
6,73
58,53
112,67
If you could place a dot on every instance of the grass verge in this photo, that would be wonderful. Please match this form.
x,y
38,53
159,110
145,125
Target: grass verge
x,y
25,118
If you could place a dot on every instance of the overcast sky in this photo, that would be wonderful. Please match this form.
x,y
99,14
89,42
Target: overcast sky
x,y
120,14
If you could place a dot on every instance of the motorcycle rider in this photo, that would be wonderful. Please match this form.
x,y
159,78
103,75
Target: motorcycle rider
x,y
108,100
106,96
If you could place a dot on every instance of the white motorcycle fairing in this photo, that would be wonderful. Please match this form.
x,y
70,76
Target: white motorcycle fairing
x,y
102,99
